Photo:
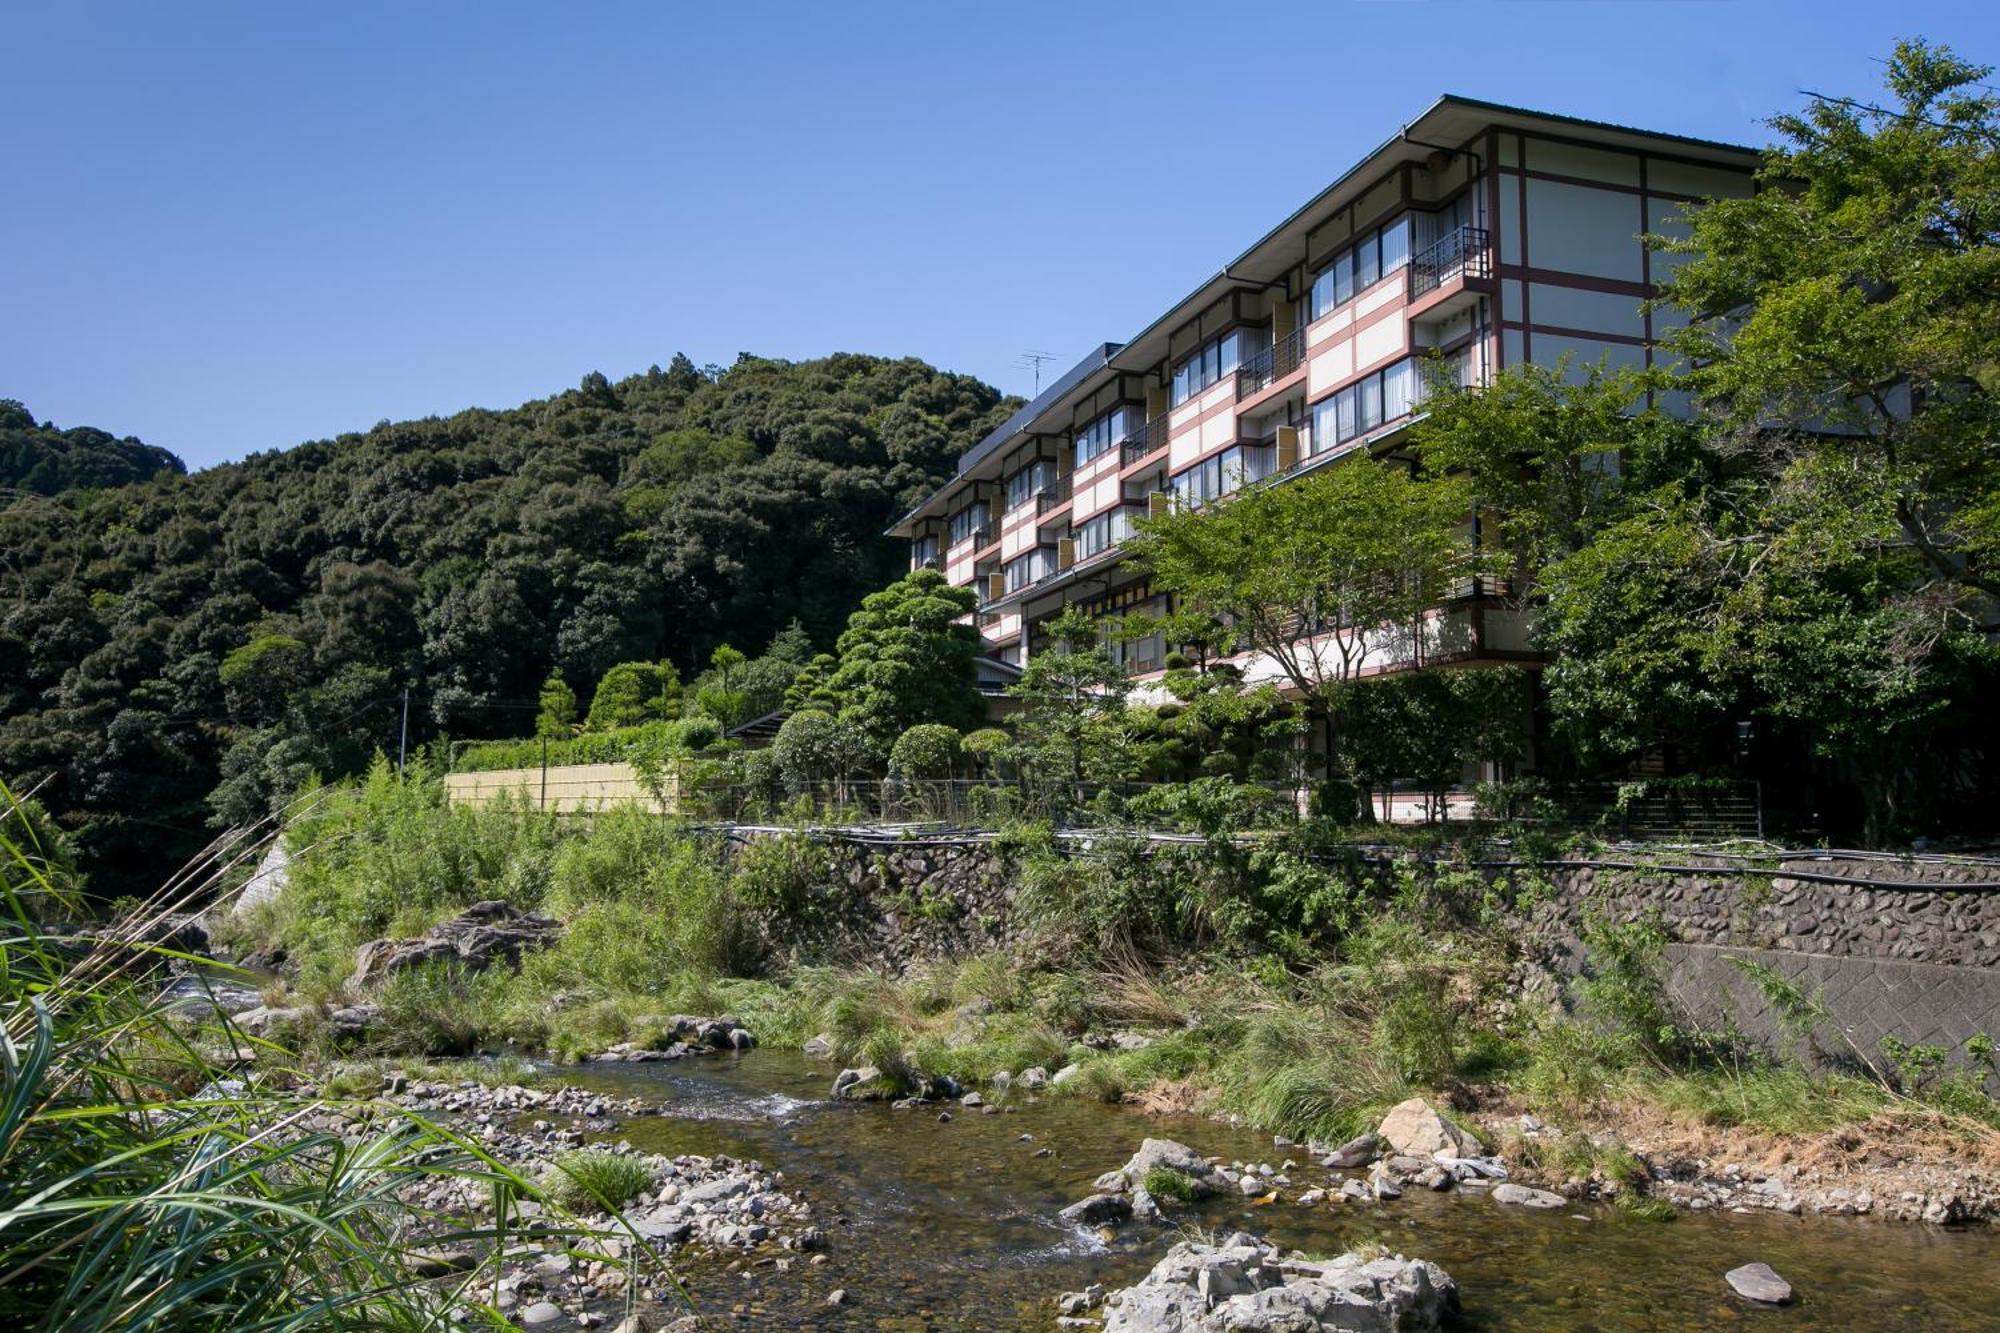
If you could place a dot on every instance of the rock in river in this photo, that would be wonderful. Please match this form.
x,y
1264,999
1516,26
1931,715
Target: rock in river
x,y
1758,1283
1415,1129
1246,1286
1525,1197
1098,1210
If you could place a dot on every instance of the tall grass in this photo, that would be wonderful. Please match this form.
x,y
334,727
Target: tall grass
x,y
143,1188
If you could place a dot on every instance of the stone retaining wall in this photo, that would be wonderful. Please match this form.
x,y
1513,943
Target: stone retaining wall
x,y
1919,962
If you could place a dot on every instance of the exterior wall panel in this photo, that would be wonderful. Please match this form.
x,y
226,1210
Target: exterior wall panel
x,y
1577,229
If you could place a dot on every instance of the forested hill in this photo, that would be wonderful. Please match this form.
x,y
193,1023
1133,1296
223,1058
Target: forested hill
x,y
181,648
37,457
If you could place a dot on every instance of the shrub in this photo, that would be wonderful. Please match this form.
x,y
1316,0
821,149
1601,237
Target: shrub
x,y
926,752
811,747
1164,1182
986,748
589,1180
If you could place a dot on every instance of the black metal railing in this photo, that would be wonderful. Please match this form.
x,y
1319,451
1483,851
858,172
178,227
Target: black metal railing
x,y
1148,439
1053,495
1272,364
1459,253
984,537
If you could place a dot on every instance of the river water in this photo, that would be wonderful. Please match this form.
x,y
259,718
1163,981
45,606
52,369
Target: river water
x,y
952,1224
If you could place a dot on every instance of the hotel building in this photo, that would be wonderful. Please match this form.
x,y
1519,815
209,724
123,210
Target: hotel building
x,y
1480,234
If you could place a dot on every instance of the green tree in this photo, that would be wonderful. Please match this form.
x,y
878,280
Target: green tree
x,y
634,692
1852,306
558,707
1545,450
1323,575
260,678
906,657
1069,690
928,751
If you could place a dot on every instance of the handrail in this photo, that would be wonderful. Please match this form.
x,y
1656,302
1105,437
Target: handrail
x,y
1148,439
1460,252
1272,364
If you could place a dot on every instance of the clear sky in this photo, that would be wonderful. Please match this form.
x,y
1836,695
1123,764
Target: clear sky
x,y
235,227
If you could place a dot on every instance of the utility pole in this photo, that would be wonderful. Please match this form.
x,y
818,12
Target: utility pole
x,y
403,737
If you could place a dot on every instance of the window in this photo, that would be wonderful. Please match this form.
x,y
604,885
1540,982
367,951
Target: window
x,y
1102,533
1214,359
1036,564
1362,406
966,522
924,551
1024,485
1360,266
1104,432
1229,471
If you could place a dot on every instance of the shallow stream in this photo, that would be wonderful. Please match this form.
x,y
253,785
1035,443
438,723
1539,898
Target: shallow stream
x,y
952,1224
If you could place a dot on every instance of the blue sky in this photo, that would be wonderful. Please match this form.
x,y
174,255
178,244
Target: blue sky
x,y
236,227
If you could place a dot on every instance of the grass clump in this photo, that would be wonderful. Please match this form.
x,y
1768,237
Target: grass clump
x,y
1164,1182
592,1179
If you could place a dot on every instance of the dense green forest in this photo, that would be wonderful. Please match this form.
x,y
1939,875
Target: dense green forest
x,y
41,459
183,648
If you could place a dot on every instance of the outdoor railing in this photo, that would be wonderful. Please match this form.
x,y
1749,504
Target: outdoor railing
x,y
1460,252
1149,439
1272,364
1053,496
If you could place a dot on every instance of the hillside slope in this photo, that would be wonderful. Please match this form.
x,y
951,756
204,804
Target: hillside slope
x,y
184,647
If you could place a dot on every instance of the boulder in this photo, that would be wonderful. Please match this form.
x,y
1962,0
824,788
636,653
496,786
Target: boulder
x,y
1246,1286
1098,1210
1415,1129
1508,1192
1756,1282
482,935
1354,1152
1176,1157
820,1047
1034,1077
861,1084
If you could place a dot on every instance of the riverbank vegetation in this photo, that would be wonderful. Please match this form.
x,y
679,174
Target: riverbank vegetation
x,y
1286,982
147,1180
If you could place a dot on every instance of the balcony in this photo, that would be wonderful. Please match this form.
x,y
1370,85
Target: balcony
x,y
1052,496
1149,439
1459,253
1267,367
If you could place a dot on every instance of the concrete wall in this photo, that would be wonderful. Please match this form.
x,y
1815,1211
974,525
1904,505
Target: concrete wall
x,y
564,788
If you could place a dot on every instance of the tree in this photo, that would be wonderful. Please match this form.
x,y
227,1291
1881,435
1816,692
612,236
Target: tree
x,y
1067,691
928,751
791,644
632,693
1322,575
726,705
813,749
259,678
1427,727
907,656
558,707
1547,454
1853,305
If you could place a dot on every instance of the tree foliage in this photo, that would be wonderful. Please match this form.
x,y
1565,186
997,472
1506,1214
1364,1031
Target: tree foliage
x,y
466,557
906,657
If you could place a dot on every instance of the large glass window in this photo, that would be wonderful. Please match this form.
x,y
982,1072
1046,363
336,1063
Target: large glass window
x,y
1104,432
1020,572
1229,471
1362,406
1023,486
1214,359
966,522
1360,266
923,551
1102,532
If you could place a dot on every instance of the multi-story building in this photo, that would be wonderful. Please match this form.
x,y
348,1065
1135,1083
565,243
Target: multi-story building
x,y
1482,234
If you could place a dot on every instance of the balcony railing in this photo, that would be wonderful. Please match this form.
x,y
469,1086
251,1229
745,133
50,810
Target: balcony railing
x,y
1053,495
1149,439
1459,253
1272,364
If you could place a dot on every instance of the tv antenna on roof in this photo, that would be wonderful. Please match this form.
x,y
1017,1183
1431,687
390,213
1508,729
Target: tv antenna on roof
x,y
1035,361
